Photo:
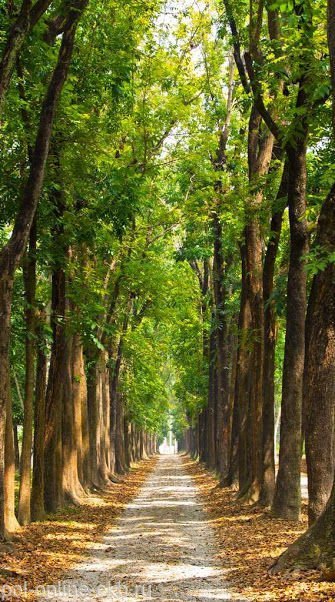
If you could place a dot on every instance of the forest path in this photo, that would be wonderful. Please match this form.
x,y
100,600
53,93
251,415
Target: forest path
x,y
162,548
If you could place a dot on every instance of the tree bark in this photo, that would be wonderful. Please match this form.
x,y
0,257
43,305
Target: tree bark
x,y
242,382
316,546
319,376
212,398
79,396
16,447
37,492
260,146
270,333
29,273
231,479
54,495
11,523
71,486
287,499
222,354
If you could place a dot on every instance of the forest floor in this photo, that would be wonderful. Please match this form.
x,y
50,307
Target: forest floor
x,y
249,541
167,532
161,548
44,552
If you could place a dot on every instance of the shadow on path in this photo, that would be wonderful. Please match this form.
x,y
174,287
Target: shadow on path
x,y
162,548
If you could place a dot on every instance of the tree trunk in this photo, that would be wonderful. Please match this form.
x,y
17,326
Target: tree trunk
x,y
120,460
270,333
79,396
77,392
316,546
231,479
29,274
12,252
54,494
11,523
37,492
117,409
259,157
127,443
16,447
94,418
242,383
319,376
72,488
105,433
287,499
211,407
222,354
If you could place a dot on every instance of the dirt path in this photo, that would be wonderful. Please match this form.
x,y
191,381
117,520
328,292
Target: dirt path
x,y
161,548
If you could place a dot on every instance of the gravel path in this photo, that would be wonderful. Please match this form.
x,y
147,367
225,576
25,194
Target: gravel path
x,y
161,548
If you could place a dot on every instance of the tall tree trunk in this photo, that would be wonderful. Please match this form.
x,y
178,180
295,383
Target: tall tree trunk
x,y
104,411
270,333
54,494
12,252
94,418
242,382
120,460
11,523
231,478
318,543
222,354
287,499
29,274
211,408
319,377
58,371
117,405
16,447
37,492
72,488
259,157
316,546
77,392
79,396
127,443
221,327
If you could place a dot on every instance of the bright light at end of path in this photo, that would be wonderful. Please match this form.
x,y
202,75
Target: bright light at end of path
x,y
169,445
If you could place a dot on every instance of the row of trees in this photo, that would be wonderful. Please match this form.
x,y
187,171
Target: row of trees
x,y
163,176
85,262
272,164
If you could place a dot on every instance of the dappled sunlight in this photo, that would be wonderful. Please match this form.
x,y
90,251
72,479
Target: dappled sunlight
x,y
249,540
162,543
170,544
45,551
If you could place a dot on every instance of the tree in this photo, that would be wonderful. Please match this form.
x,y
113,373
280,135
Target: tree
x,y
316,546
13,250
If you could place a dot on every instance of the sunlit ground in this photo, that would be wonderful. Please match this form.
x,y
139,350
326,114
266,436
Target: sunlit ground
x,y
43,552
250,540
162,541
162,548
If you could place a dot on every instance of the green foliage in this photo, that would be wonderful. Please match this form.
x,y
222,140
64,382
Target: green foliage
x,y
133,161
